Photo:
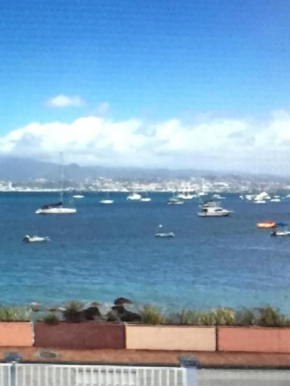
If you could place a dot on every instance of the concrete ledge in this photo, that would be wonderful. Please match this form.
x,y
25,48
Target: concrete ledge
x,y
16,334
253,339
183,338
90,335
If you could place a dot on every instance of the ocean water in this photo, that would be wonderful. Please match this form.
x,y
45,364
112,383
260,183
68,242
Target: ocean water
x,y
107,251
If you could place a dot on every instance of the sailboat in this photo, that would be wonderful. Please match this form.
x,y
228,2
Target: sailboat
x,y
58,207
107,200
146,198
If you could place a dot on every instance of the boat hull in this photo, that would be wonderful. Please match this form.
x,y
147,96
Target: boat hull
x,y
56,211
165,235
224,214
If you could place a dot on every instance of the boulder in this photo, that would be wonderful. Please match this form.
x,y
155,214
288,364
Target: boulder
x,y
125,315
122,301
92,313
112,317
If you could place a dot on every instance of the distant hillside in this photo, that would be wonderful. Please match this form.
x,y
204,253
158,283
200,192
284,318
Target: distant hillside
x,y
23,170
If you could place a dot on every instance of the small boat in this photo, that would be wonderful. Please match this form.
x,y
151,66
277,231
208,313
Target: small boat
x,y
175,201
275,199
107,200
282,230
266,224
56,208
164,234
167,235
259,201
134,197
212,209
35,239
78,196
146,198
186,195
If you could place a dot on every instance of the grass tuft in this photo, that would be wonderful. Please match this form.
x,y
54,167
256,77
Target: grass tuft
x,y
151,315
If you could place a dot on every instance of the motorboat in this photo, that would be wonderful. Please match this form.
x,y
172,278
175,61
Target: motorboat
x,y
266,224
275,199
186,195
218,197
159,234
261,198
165,235
175,201
212,209
106,201
56,208
145,199
282,230
35,239
134,197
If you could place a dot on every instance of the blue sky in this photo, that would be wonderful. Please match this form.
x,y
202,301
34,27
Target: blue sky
x,y
154,61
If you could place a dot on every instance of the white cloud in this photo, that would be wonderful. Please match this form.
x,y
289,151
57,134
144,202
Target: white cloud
x,y
61,101
217,144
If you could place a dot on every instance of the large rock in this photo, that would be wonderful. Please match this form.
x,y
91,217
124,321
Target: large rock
x,y
125,315
121,301
92,313
112,316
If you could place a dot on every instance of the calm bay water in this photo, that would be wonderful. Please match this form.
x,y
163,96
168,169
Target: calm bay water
x,y
107,251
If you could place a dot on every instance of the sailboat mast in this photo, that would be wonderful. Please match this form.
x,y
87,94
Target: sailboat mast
x,y
61,177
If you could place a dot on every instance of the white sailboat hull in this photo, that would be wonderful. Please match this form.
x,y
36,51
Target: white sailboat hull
x,y
107,202
56,211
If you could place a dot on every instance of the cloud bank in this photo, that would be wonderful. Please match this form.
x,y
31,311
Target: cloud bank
x,y
216,144
61,101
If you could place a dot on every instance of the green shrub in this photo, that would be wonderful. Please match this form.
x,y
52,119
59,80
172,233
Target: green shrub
x,y
14,314
246,317
224,317
207,318
185,317
51,319
271,317
73,312
151,315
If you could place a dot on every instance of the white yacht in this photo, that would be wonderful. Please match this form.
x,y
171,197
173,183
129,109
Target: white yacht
x,y
186,196
145,199
160,234
261,198
107,201
134,197
175,201
212,209
275,199
57,208
78,196
35,239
